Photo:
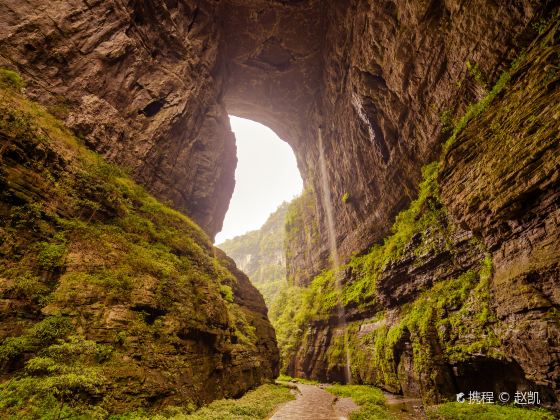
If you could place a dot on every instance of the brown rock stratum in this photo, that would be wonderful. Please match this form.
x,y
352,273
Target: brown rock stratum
x,y
149,84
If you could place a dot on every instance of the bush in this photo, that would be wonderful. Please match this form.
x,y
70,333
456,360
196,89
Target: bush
x,y
226,292
11,79
370,399
51,255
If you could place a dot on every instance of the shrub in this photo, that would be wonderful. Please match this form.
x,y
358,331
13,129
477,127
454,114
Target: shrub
x,y
51,255
11,79
370,399
226,292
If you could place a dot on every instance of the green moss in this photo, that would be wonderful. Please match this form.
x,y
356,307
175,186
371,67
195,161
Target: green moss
x,y
478,108
226,292
446,120
298,306
286,378
370,400
465,411
59,382
51,255
84,239
256,404
11,79
476,73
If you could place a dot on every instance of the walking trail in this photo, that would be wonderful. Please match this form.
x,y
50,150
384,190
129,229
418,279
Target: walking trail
x,y
314,403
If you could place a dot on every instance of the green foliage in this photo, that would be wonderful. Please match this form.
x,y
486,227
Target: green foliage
x,y
29,286
421,214
256,404
370,399
61,380
36,337
287,378
446,120
51,255
345,197
226,292
477,108
295,307
464,411
543,23
476,73
11,79
82,238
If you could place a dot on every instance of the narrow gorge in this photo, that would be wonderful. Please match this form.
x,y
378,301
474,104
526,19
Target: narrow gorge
x,y
427,134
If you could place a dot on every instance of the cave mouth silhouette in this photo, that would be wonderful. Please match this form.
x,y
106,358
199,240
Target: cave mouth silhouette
x,y
266,176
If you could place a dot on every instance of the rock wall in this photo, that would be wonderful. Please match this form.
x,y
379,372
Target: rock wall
x,y
394,71
462,295
109,300
147,84
135,80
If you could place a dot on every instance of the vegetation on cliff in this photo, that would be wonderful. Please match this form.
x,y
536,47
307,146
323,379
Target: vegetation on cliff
x,y
111,300
423,301
260,254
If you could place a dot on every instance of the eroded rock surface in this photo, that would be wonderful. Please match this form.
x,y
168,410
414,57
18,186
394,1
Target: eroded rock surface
x,y
109,300
134,79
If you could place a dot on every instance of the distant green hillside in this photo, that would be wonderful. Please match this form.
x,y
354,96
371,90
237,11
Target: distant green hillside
x,y
260,254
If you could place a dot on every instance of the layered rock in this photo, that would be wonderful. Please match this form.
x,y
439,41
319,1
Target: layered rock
x,y
462,295
135,80
110,301
145,83
500,180
392,70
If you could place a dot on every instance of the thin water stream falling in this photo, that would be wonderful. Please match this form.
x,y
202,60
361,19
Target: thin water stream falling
x,y
327,204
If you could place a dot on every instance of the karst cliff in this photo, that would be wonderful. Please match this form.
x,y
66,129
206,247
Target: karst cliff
x,y
438,125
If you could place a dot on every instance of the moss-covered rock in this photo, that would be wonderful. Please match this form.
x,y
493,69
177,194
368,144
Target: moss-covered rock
x,y
110,300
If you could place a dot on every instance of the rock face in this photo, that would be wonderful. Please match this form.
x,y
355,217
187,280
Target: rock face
x,y
508,194
260,254
462,294
109,300
147,84
134,79
392,70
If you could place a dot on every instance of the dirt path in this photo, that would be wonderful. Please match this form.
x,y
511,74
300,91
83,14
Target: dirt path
x,y
314,403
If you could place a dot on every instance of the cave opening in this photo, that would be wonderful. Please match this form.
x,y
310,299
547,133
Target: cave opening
x,y
266,176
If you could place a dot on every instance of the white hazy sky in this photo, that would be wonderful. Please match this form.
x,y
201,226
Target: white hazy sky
x,y
266,175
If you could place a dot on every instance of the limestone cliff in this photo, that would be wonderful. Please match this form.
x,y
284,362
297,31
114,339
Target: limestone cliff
x,y
135,80
463,294
109,300
465,281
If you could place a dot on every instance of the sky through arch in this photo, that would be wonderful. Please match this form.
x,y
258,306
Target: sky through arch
x,y
266,175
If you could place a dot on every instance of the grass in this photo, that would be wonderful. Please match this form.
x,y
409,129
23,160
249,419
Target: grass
x,y
465,411
11,79
254,405
287,378
370,400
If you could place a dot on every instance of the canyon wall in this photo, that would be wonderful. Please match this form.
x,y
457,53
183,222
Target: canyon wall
x,y
467,282
394,73
110,301
463,293
134,79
